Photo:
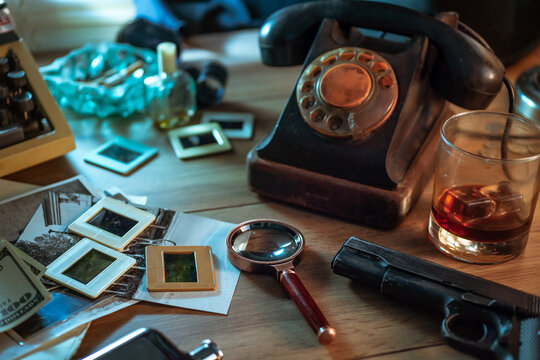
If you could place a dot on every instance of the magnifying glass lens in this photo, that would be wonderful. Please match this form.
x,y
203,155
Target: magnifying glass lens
x,y
266,244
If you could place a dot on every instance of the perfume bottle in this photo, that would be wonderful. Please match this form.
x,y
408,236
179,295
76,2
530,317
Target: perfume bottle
x,y
170,95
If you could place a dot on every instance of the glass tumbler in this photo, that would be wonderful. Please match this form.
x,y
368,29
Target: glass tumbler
x,y
486,184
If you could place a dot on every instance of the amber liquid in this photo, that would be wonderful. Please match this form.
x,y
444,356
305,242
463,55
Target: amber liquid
x,y
476,235
486,233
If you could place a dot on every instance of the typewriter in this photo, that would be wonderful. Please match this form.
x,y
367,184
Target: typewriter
x,y
32,127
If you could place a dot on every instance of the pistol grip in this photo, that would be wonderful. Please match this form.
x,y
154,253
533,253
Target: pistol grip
x,y
476,331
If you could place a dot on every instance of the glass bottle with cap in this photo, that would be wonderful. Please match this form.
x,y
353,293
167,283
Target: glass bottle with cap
x,y
170,95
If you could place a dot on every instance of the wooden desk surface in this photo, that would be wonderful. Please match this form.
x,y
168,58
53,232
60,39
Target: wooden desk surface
x,y
262,322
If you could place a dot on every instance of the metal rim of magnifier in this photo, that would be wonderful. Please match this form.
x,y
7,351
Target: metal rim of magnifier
x,y
251,265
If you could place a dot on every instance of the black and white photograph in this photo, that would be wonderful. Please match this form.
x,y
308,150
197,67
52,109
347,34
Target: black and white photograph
x,y
18,211
45,238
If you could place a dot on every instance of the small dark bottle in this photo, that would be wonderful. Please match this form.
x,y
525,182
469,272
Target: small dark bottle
x,y
211,83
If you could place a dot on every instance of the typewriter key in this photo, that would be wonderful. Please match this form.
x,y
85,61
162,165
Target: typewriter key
x,y
4,69
4,95
22,105
45,126
11,134
5,118
16,81
14,61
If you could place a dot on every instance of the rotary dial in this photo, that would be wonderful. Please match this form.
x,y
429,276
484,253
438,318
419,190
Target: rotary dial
x,y
347,92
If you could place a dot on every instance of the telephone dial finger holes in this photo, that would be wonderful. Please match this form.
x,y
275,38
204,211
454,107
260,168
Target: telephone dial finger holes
x,y
386,82
317,115
314,71
334,122
331,60
347,92
307,86
308,102
365,57
379,67
346,55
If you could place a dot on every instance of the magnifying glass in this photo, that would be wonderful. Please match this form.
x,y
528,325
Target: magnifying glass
x,y
272,246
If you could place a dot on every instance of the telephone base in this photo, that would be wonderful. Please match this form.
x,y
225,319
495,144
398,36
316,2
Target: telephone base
x,y
343,198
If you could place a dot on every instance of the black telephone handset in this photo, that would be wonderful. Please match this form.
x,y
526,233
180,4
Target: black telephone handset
x,y
358,135
467,74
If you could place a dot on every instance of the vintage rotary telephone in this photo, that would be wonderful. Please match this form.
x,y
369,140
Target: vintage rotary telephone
x,y
358,135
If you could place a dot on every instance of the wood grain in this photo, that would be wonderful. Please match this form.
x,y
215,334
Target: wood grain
x,y
262,321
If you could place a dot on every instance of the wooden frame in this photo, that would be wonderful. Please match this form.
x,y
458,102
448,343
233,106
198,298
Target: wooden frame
x,y
156,268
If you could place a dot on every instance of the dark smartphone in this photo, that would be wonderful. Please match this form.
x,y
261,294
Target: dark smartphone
x,y
143,344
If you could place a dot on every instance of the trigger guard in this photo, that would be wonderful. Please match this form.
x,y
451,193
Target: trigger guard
x,y
465,328
474,332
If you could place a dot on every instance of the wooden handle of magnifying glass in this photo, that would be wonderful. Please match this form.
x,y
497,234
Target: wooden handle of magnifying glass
x,y
307,306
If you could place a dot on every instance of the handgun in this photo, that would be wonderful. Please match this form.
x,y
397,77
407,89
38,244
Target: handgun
x,y
481,318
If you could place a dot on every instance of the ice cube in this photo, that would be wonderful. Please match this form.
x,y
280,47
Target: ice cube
x,y
466,204
506,198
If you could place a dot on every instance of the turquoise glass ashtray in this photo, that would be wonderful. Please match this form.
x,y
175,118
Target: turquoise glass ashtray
x,y
105,79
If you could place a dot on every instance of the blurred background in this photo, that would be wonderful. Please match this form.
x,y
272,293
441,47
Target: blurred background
x,y
67,24
511,27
